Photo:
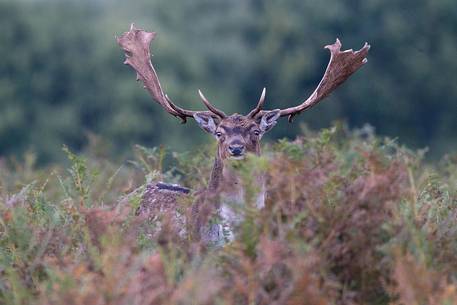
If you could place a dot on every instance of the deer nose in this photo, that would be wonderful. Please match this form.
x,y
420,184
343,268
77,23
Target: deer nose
x,y
236,150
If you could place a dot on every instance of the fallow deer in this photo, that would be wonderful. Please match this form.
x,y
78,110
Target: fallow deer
x,y
237,134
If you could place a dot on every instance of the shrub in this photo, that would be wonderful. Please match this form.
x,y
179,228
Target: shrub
x,y
350,219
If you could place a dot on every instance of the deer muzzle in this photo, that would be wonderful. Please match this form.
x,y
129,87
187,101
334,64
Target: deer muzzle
x,y
236,150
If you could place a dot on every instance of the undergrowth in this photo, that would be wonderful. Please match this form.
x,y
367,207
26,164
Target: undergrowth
x,y
350,218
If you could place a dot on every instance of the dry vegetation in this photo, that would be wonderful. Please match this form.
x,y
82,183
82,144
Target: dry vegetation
x,y
350,219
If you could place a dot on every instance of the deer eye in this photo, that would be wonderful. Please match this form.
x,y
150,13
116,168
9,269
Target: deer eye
x,y
218,134
256,132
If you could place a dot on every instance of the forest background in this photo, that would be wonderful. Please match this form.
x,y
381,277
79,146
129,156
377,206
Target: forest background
x,y
62,80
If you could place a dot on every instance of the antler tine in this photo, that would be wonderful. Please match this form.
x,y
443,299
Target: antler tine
x,y
260,104
136,43
188,113
341,66
211,108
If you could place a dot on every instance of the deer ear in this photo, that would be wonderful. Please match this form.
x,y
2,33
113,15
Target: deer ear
x,y
269,120
206,122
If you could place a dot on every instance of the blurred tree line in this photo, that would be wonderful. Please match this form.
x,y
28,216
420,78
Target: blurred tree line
x,y
62,78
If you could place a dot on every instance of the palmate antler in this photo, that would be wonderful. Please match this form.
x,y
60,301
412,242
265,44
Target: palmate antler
x,y
136,44
341,66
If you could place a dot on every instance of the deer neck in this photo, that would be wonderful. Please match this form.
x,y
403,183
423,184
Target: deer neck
x,y
216,179
225,181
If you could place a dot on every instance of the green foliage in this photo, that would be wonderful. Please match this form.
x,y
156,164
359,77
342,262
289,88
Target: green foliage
x,y
62,78
350,218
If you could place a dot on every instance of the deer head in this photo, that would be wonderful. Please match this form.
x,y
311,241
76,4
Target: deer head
x,y
236,134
